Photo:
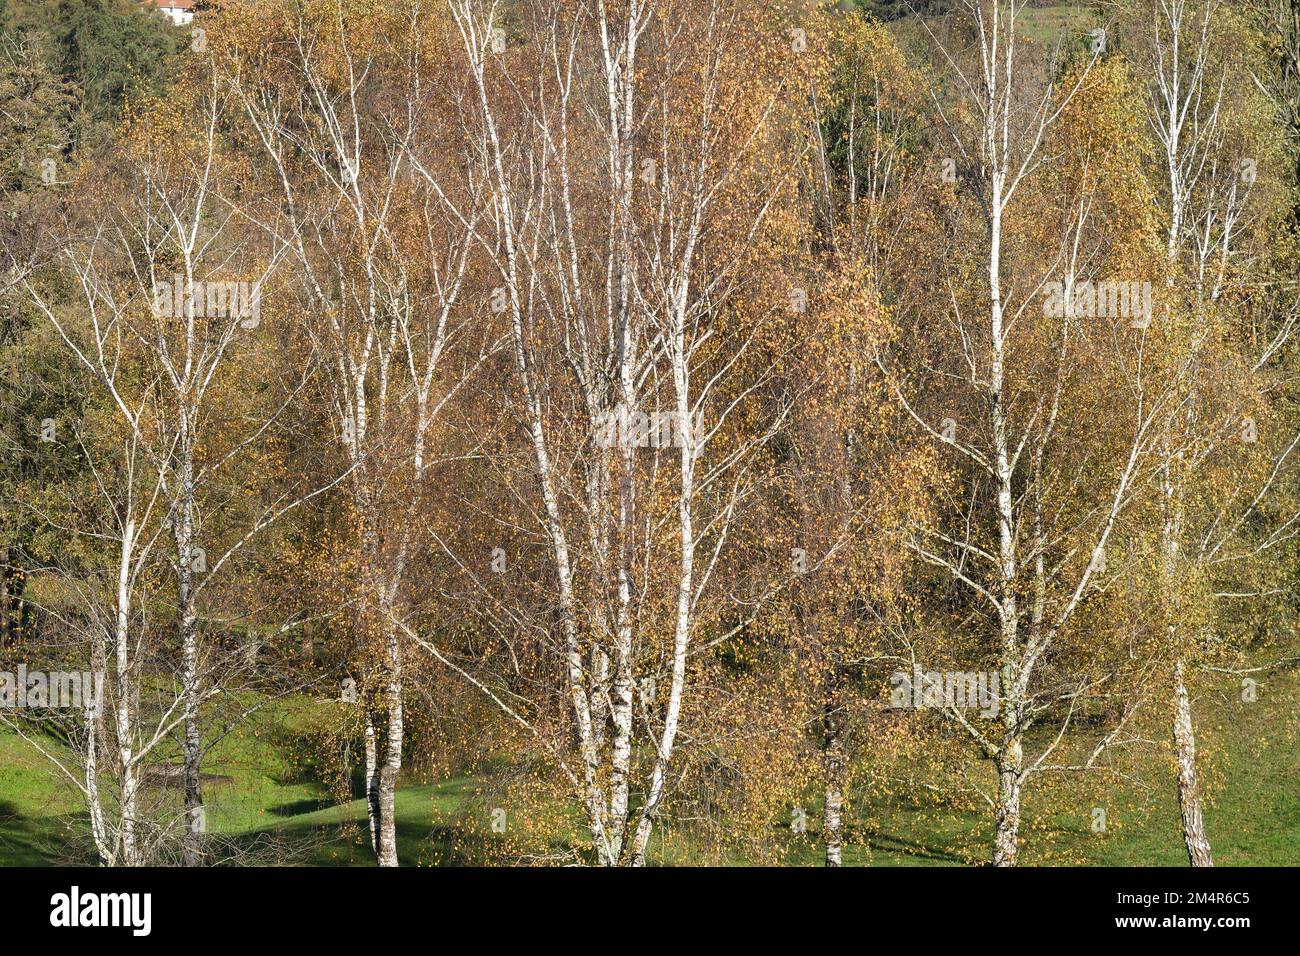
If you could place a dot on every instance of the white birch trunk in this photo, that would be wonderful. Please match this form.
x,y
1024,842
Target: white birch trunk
x,y
125,695
833,767
1006,841
1189,793
392,764
192,745
372,781
686,577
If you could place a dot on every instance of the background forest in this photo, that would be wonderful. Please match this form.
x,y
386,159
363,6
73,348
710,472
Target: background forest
x,y
628,432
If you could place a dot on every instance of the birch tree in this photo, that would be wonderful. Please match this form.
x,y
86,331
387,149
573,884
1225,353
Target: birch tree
x,y
1023,536
109,575
1217,170
167,281
622,222
369,189
856,477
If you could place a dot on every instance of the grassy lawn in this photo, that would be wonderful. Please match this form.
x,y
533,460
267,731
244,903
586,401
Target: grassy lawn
x,y
37,809
1046,24
262,802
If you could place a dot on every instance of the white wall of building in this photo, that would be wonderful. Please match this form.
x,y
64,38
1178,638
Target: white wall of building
x,y
178,16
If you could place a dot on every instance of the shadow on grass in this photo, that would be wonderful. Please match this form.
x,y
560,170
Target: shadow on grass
x,y
346,844
37,841
878,841
299,807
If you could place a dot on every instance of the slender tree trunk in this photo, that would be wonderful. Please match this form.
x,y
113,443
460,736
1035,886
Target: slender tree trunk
x,y
1007,837
13,582
1184,733
1189,793
192,850
192,746
104,843
833,766
124,692
620,90
387,845
96,744
372,780
621,705
128,783
599,687
1006,843
621,755
685,582
379,634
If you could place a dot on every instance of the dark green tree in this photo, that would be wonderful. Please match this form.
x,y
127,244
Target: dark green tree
x,y
113,49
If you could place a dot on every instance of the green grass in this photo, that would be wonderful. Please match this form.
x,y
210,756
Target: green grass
x,y
263,801
1249,761
1047,24
37,809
